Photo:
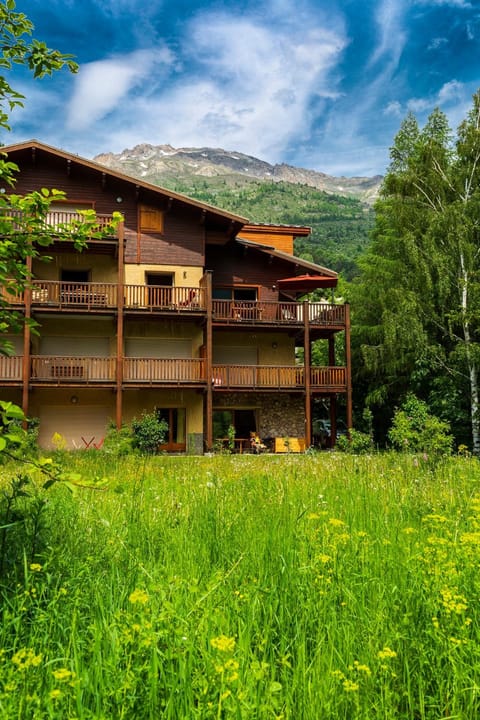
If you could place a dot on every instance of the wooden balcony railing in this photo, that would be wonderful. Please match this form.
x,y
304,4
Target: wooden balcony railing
x,y
58,218
69,370
87,296
277,377
329,378
11,367
158,297
180,371
282,313
163,370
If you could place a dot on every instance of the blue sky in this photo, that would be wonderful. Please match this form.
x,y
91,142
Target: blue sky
x,y
321,84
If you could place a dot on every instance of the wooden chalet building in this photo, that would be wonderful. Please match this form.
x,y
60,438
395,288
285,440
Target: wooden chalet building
x,y
188,310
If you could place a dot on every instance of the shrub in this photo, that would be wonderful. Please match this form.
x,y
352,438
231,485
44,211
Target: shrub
x,y
358,443
148,432
118,441
415,430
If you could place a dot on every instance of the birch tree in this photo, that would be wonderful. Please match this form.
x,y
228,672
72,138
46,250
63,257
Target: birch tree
x,y
416,309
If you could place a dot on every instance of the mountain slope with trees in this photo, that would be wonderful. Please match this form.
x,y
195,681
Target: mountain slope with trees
x,y
340,225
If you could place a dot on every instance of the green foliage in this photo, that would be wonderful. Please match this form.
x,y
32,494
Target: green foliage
x,y
416,305
22,507
340,225
251,587
149,431
415,430
358,443
118,442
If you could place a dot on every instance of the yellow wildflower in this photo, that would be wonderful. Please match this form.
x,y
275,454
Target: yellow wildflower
x,y
222,643
26,658
139,597
35,567
386,653
55,694
362,668
350,686
63,674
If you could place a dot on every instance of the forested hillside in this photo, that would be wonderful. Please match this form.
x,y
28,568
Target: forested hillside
x,y
340,225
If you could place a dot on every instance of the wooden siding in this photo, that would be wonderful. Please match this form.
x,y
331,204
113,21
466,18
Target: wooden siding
x,y
280,241
236,265
182,241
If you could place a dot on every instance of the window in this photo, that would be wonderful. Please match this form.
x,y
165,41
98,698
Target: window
x,y
235,293
150,219
243,421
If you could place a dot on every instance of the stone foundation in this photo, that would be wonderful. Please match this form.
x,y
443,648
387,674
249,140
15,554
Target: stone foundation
x,y
278,414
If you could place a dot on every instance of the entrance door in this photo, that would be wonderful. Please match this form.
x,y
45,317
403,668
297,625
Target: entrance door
x,y
176,435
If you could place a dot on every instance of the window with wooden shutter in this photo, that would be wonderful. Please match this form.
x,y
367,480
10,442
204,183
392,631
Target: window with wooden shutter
x,y
150,219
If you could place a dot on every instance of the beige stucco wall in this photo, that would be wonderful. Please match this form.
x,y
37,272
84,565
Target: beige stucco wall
x,y
136,400
75,327
267,354
184,276
168,330
103,268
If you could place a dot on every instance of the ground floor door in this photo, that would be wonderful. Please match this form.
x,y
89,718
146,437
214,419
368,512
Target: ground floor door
x,y
176,437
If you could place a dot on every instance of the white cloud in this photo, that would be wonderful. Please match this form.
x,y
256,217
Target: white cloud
x,y
451,93
394,109
243,84
100,86
437,43
392,38
452,3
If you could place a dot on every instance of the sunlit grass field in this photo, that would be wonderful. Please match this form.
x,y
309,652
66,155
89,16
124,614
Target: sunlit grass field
x,y
259,587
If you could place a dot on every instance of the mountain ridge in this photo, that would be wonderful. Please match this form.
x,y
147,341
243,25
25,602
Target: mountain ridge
x,y
165,163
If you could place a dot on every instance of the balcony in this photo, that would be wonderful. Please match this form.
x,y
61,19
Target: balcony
x,y
258,312
154,298
268,377
73,295
11,369
162,371
143,299
51,370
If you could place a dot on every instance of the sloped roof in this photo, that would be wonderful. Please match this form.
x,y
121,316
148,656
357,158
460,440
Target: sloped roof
x,y
304,265
69,157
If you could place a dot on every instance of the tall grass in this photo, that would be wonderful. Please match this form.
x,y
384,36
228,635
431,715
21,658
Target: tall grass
x,y
254,587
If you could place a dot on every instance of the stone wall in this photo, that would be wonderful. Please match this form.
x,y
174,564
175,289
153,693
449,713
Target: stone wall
x,y
279,414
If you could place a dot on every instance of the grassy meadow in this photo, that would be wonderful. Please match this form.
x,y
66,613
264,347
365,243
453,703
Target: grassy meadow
x,y
259,587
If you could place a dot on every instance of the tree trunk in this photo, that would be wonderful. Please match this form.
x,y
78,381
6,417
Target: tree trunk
x,y
472,365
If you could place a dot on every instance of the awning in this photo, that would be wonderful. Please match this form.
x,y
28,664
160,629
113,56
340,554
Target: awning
x,y
306,283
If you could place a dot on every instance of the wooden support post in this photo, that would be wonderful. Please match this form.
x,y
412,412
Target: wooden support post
x,y
27,299
348,364
307,362
120,327
208,362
